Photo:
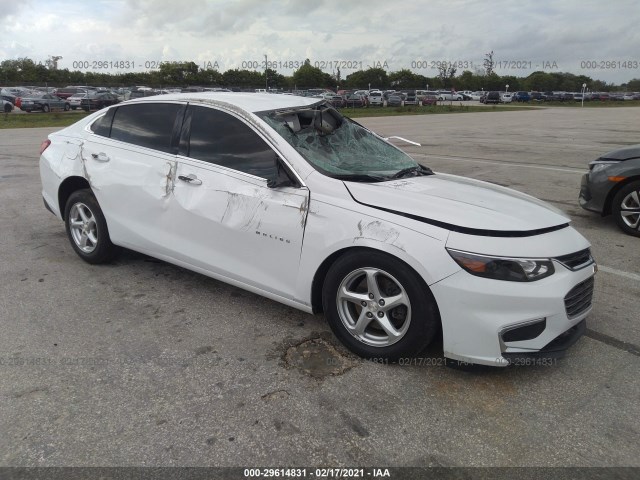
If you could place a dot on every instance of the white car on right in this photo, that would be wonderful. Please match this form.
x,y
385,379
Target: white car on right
x,y
376,98
506,97
75,100
445,95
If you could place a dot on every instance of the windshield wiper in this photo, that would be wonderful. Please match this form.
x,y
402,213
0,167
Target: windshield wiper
x,y
416,171
359,177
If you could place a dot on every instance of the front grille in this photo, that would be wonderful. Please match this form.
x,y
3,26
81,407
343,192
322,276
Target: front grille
x,y
577,260
578,300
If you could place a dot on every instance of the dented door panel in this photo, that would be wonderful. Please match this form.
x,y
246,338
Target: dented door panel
x,y
232,224
133,186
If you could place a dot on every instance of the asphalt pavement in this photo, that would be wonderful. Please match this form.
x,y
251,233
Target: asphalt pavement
x,y
141,363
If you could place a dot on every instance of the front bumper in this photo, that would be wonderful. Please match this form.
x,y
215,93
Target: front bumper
x,y
554,349
591,198
476,312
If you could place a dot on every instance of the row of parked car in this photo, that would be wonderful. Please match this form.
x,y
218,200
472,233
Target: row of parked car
x,y
509,97
44,99
380,98
392,98
30,99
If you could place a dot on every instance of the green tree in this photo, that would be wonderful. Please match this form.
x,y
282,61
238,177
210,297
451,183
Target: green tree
x,y
275,79
178,73
308,76
405,78
376,77
468,81
209,77
489,63
243,79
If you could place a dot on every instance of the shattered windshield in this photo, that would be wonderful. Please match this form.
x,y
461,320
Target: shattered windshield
x,y
339,147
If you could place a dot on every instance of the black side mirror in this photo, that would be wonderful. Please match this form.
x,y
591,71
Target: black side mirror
x,y
282,178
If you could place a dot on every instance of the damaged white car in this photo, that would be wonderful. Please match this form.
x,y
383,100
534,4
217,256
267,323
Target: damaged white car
x,y
285,197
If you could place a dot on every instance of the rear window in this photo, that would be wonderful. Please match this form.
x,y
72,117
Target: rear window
x,y
149,125
102,126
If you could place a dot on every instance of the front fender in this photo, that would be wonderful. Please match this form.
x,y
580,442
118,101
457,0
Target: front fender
x,y
331,228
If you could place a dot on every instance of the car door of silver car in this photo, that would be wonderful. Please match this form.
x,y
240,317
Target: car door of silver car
x,y
226,219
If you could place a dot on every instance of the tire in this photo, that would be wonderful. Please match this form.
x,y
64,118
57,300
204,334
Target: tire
x,y
66,107
7,108
87,228
45,108
626,208
372,327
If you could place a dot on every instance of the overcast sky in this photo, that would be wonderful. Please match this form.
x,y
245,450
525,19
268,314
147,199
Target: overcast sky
x,y
525,35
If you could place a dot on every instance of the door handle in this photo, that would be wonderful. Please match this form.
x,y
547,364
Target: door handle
x,y
191,179
101,157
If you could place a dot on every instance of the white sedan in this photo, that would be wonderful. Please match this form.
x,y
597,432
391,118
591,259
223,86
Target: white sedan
x,y
450,96
506,97
285,197
75,100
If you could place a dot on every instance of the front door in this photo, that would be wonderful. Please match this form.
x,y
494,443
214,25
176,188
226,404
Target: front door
x,y
225,217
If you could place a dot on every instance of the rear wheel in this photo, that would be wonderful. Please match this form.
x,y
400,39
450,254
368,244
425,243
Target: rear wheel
x,y
7,108
45,108
626,208
66,107
378,307
87,228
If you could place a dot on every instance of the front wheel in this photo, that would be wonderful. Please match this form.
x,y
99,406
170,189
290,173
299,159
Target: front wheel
x,y
87,228
45,108
378,306
66,107
626,208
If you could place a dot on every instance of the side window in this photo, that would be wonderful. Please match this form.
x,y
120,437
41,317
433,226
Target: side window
x,y
220,138
147,125
102,126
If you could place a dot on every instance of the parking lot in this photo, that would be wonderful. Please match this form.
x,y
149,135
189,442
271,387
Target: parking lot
x,y
141,363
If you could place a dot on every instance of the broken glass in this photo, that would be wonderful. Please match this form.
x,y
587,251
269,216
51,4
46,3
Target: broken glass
x,y
338,146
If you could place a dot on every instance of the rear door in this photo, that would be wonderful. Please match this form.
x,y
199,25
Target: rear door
x,y
226,219
130,161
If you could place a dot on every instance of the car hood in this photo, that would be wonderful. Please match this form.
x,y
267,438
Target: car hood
x,y
461,204
626,153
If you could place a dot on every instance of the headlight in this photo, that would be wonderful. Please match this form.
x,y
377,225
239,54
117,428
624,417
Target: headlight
x,y
503,268
598,165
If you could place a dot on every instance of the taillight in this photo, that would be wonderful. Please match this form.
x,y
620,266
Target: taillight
x,y
44,145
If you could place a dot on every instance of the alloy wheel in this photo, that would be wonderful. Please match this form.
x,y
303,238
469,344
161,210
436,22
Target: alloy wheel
x,y
84,229
630,209
374,307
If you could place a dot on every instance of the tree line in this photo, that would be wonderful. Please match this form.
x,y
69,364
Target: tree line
x,y
24,71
